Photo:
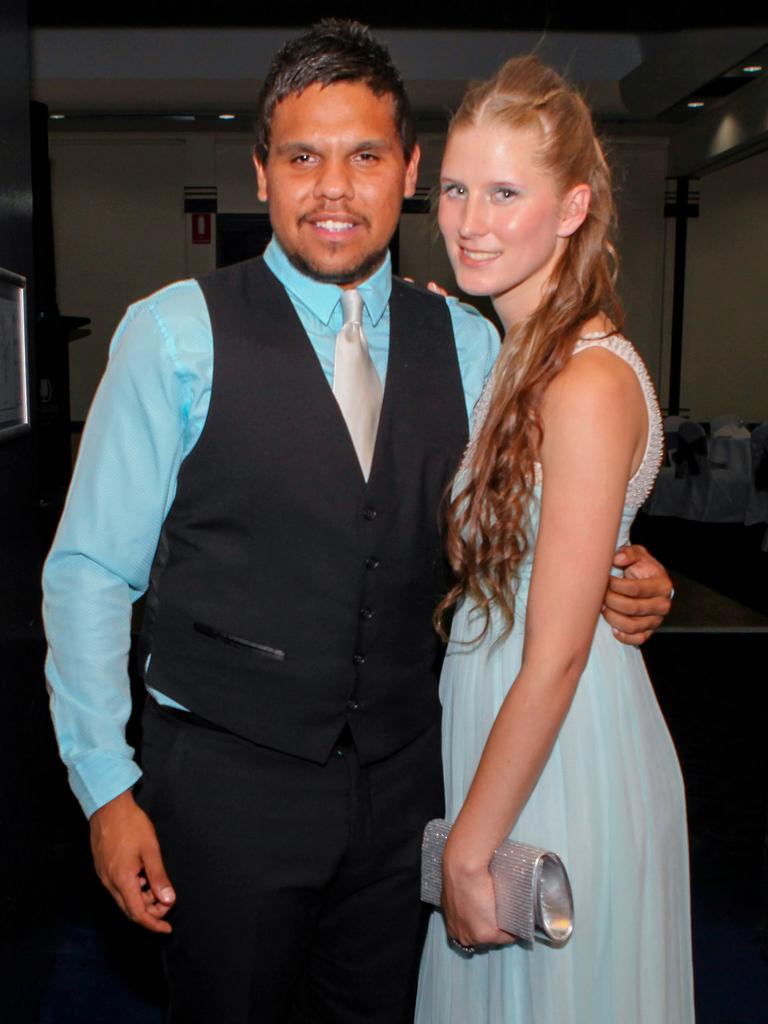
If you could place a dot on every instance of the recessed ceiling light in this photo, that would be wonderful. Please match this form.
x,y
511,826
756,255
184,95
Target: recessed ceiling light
x,y
227,117
57,117
752,69
695,104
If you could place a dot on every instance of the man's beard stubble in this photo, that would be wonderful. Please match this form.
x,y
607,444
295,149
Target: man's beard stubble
x,y
359,272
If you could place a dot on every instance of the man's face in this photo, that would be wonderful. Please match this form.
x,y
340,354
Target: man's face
x,y
335,179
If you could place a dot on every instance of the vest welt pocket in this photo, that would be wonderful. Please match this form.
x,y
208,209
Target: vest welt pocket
x,y
239,641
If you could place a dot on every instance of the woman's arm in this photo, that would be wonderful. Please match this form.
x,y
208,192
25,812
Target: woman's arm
x,y
595,425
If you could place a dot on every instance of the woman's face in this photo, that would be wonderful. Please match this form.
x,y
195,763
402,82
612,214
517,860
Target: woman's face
x,y
505,225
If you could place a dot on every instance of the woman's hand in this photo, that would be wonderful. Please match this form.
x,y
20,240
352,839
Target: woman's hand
x,y
469,904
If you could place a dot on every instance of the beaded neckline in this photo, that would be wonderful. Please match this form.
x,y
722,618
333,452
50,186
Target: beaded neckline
x,y
640,485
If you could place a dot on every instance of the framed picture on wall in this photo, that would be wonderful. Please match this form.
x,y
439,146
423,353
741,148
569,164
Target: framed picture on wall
x,y
14,359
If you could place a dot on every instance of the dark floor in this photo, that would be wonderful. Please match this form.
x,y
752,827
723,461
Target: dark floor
x,y
81,962
712,690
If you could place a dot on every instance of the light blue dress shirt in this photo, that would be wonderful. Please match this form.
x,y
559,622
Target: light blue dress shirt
x,y
146,417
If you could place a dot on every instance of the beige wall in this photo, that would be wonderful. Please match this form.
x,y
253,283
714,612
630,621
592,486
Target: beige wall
x,y
121,233
725,342
235,176
639,168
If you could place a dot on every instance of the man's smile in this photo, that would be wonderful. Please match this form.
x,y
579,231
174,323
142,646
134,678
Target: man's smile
x,y
339,226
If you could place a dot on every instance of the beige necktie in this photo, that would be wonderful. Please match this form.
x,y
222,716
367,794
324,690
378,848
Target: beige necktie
x,y
356,383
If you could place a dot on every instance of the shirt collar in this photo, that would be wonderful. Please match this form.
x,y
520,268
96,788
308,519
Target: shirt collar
x,y
320,298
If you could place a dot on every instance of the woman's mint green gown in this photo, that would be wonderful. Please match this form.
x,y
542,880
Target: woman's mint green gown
x,y
609,801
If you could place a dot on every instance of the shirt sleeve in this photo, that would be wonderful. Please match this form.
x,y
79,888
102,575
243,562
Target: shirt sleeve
x,y
146,416
477,346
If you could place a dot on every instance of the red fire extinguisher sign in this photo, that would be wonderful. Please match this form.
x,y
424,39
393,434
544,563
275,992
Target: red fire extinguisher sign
x,y
201,229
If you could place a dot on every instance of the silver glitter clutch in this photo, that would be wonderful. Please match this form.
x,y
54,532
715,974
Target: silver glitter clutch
x,y
533,893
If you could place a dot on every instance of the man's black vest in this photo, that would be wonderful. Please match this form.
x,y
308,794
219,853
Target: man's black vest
x,y
288,596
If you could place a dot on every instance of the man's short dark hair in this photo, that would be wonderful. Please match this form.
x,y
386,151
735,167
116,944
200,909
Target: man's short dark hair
x,y
333,50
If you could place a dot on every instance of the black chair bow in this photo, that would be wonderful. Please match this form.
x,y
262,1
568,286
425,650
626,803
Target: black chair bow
x,y
689,456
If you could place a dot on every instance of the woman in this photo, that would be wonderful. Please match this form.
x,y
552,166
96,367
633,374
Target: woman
x,y
551,730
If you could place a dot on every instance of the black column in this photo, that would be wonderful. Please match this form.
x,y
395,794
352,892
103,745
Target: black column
x,y
681,205
25,734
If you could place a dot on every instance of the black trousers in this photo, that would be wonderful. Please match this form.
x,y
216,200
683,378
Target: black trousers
x,y
297,884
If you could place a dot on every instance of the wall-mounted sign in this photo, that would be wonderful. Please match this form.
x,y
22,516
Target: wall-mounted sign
x,y
201,229
14,360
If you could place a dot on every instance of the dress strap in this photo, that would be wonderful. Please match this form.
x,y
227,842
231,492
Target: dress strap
x,y
641,484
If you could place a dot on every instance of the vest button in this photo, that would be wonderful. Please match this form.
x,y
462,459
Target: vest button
x,y
353,705
358,659
366,613
373,562
369,513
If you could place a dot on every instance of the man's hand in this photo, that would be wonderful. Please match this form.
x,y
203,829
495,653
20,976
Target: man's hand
x,y
126,854
636,604
432,286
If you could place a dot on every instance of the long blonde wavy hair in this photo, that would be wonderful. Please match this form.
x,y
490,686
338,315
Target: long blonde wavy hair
x,y
487,528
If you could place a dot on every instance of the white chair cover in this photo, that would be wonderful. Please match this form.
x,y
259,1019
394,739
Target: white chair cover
x,y
730,460
757,508
728,425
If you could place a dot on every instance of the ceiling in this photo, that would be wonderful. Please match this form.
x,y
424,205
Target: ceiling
x,y
151,68
524,15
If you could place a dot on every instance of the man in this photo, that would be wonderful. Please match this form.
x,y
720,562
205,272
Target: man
x,y
291,740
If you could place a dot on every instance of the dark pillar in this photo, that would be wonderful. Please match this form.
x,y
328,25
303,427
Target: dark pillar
x,y
682,205
25,735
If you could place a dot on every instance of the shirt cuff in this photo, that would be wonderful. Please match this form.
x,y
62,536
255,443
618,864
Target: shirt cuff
x,y
100,777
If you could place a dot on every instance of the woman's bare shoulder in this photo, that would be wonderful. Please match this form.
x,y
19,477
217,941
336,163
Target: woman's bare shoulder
x,y
597,394
596,372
